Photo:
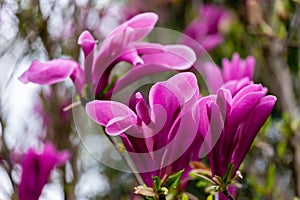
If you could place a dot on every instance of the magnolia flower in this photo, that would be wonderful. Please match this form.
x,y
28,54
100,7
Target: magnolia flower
x,y
161,137
205,29
237,68
122,44
36,169
234,69
238,113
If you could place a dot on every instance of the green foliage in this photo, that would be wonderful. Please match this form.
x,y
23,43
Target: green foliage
x,y
163,188
174,180
156,184
271,172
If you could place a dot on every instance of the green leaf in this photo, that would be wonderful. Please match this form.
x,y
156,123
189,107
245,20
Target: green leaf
x,y
228,175
210,197
202,183
156,183
174,180
219,180
184,197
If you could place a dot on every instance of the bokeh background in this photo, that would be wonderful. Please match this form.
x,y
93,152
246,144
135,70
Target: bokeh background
x,y
46,29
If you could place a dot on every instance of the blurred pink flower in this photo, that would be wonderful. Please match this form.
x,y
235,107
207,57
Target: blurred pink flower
x,y
36,169
161,138
122,44
205,29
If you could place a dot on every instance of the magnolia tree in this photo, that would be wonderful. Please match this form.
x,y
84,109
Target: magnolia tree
x,y
153,104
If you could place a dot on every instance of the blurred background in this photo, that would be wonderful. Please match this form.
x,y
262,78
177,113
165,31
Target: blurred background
x,y
31,114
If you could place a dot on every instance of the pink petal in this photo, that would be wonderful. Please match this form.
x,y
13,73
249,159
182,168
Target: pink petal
x,y
235,86
131,56
212,75
171,97
87,42
49,72
177,57
249,65
142,24
251,126
36,169
108,113
142,109
148,48
251,88
119,125
158,59
212,41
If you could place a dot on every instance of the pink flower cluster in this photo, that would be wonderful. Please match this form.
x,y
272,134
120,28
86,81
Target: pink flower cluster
x,y
174,124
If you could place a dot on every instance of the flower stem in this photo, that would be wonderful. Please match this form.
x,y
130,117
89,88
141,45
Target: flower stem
x,y
138,179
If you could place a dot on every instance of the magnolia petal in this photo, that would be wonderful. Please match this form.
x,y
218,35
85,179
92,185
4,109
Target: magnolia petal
x,y
142,109
224,100
249,65
250,127
148,48
238,68
182,141
119,125
62,156
87,42
186,83
234,67
49,72
215,139
176,57
78,78
104,111
212,41
131,56
158,62
171,96
245,105
251,88
141,23
239,112
156,59
36,169
212,75
235,86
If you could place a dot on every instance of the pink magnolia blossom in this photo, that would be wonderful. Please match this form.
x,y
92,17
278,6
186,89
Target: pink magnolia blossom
x,y
36,169
205,29
122,44
234,69
239,113
161,137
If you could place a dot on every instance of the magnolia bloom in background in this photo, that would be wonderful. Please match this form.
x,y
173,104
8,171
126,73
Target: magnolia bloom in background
x,y
36,169
234,69
242,111
122,44
161,137
205,29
